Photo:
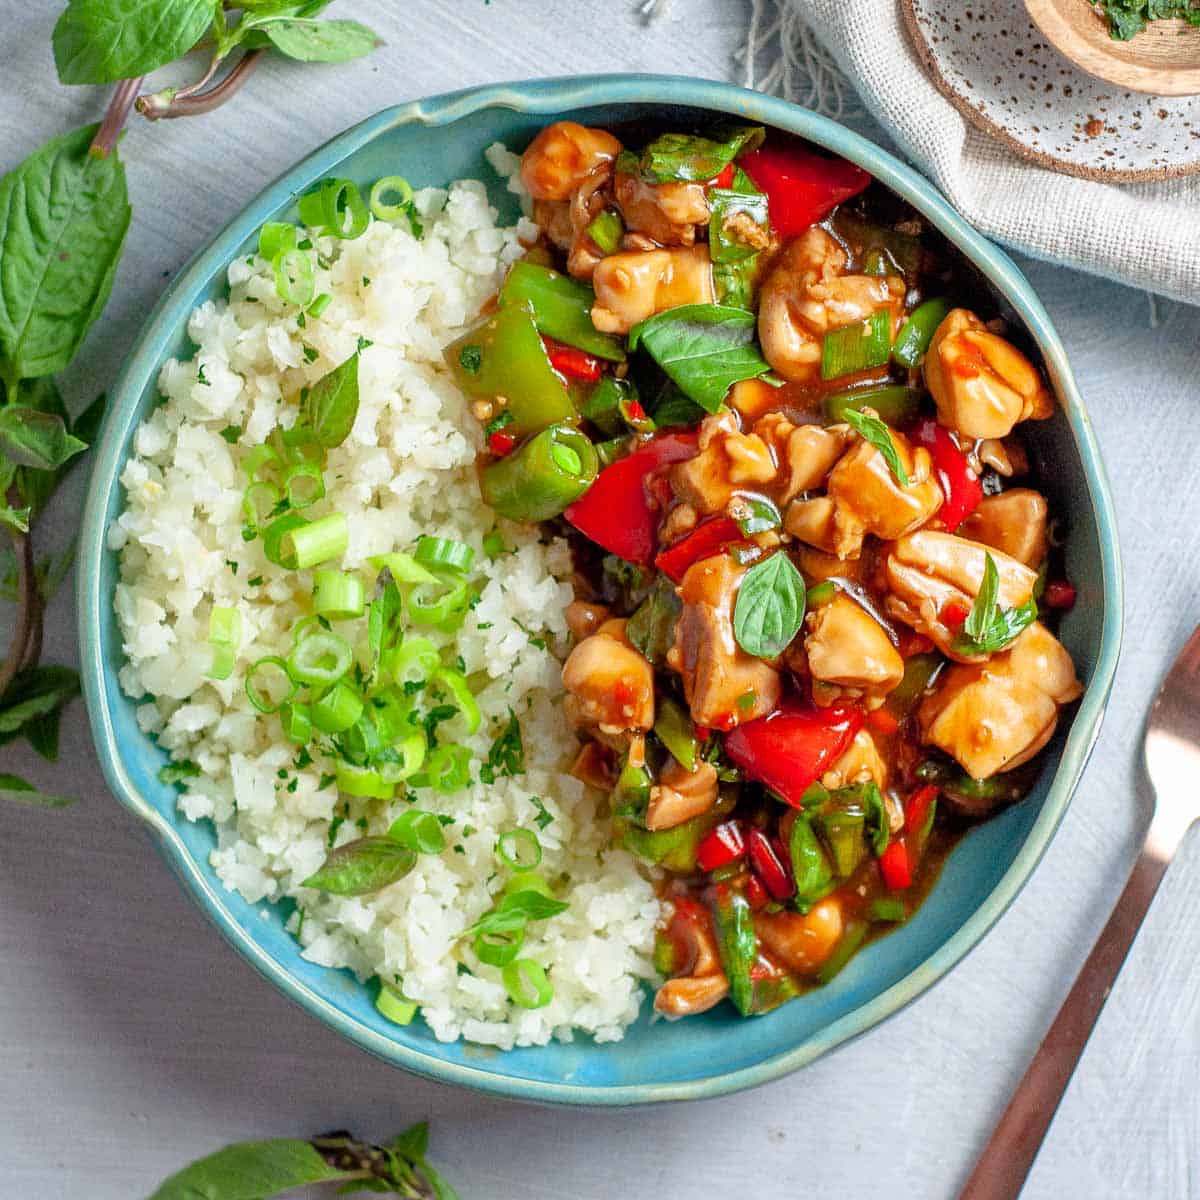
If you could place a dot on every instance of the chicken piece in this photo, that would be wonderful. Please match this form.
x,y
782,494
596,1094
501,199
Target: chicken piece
x,y
861,763
752,398
583,618
612,684
928,571
633,286
728,460
847,647
593,766
817,566
717,672
1013,522
680,795
998,714
554,217
690,994
566,222
667,213
807,453
801,942
562,156
806,295
982,384
863,496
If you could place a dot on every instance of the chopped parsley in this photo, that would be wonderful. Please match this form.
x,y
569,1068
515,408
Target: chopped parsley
x,y
231,565
534,639
255,582
364,343
507,754
231,433
470,358
200,376
178,772
326,781
311,355
544,816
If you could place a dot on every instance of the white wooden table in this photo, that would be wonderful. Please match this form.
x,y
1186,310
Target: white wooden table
x,y
132,1039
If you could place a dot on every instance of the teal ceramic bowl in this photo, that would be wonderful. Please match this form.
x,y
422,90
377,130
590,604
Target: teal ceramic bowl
x,y
432,142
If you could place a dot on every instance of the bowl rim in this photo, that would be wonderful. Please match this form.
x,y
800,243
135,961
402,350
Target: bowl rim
x,y
546,96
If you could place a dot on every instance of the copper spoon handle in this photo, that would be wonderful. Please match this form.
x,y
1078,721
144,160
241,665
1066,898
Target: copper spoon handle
x,y
1004,1164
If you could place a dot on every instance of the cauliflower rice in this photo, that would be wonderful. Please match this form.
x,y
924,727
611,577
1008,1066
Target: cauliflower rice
x,y
406,469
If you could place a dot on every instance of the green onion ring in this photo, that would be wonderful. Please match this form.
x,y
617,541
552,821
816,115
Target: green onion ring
x,y
519,849
499,949
527,984
391,183
321,658
419,830
295,279
444,554
261,699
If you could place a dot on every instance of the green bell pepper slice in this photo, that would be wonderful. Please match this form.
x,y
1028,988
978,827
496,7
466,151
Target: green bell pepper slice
x,y
539,479
561,308
737,943
673,727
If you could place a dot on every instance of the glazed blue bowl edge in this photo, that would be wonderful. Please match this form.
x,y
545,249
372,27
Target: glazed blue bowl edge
x,y
706,1056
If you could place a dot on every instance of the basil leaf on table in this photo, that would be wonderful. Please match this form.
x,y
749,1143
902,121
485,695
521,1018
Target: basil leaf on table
x,y
769,609
684,156
14,789
250,1171
63,217
331,404
361,867
871,429
319,41
15,518
704,348
36,439
102,41
34,693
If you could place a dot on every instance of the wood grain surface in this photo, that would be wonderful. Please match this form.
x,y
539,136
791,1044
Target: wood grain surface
x,y
132,1039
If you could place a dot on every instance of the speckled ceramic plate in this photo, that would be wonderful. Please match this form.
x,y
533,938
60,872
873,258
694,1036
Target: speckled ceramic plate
x,y
998,69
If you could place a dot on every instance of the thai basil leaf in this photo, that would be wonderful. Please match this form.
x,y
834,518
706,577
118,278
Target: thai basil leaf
x,y
331,404
725,204
684,156
515,911
651,629
986,607
704,348
877,824
250,1171
770,606
15,518
34,693
37,439
101,41
86,426
320,41
42,734
674,409
871,429
63,217
15,790
988,627
362,867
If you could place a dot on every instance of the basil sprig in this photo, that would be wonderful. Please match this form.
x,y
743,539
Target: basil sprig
x,y
990,628
871,429
770,606
264,1169
331,404
515,911
691,159
364,866
704,348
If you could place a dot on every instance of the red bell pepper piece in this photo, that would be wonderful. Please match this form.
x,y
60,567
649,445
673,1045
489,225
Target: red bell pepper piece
x,y
917,809
768,865
707,539
883,722
572,362
501,443
802,187
615,512
794,746
724,179
894,867
954,614
757,896
721,846
958,482
1059,594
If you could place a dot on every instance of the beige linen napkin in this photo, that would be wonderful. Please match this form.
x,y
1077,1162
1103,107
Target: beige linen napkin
x,y
1145,234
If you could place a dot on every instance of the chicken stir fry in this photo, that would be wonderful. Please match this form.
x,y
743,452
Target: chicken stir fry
x,y
817,582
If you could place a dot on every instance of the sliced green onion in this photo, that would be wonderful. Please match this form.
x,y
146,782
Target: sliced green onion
x,y
315,542
415,654
402,567
296,721
277,540
519,849
269,686
444,554
363,781
258,503
337,709
337,207
498,949
854,934
338,596
305,627
431,604
527,983
455,682
888,908
275,238
295,279
224,636
895,403
493,544
321,658
820,593
304,485
300,444
319,305
606,230
391,710
396,185
756,514
419,830
258,458
446,769
912,342
857,347
527,881
412,751
392,1006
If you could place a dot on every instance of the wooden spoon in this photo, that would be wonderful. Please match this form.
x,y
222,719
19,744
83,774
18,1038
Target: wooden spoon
x,y
1162,60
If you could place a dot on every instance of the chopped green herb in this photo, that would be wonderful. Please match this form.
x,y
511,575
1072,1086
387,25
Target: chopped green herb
x,y
178,772
507,754
988,627
311,355
231,433
255,582
544,816
873,430
470,358
201,377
